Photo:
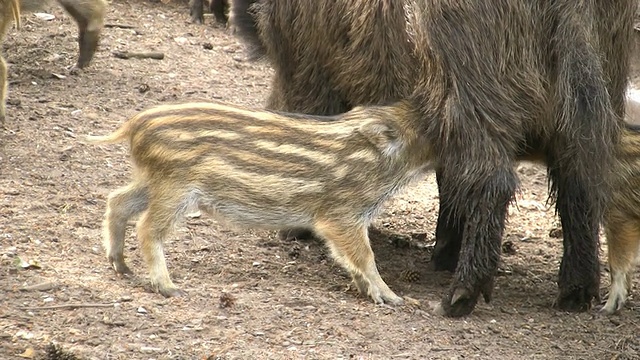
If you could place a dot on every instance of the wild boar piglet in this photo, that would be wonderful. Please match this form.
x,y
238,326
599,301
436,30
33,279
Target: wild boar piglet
x,y
264,169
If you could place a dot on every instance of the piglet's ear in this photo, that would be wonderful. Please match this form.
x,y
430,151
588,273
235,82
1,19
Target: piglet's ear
x,y
383,136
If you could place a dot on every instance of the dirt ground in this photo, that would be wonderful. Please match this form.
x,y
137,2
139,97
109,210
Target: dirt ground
x,y
250,295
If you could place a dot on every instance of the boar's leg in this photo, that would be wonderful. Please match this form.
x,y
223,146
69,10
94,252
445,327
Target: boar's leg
x,y
484,213
89,15
197,15
579,277
218,8
580,155
448,234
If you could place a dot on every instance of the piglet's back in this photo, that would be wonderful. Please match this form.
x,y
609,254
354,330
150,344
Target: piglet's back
x,y
252,166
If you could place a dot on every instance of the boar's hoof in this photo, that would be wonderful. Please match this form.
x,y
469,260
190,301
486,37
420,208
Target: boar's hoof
x,y
458,302
88,41
577,299
197,18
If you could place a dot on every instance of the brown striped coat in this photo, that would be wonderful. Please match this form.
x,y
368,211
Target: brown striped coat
x,y
264,169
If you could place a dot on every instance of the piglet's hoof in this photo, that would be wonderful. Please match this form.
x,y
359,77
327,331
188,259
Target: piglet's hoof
x,y
172,292
389,299
609,309
122,269
120,266
615,301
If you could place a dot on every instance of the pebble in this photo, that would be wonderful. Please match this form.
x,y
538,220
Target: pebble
x,y
148,349
142,310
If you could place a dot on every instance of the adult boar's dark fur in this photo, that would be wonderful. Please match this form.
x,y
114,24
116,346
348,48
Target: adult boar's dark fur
x,y
217,7
493,81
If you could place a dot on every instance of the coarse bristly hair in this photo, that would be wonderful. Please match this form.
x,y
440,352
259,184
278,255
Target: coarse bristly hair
x,y
491,81
264,169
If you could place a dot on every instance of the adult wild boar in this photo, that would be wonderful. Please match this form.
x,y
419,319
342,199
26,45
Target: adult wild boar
x,y
492,81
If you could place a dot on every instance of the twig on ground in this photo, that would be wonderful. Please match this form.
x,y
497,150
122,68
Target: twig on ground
x,y
121,26
69,306
138,55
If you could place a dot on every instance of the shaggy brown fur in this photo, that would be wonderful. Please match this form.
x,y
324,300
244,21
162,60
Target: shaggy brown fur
x,y
492,81
267,170
217,7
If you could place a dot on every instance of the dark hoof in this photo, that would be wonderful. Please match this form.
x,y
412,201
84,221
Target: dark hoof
x,y
75,70
458,303
123,270
295,234
120,266
222,22
577,300
197,19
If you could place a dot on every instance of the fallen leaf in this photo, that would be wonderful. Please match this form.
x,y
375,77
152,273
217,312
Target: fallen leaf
x,y
31,264
18,262
34,264
180,40
45,16
29,353
23,334
46,286
194,215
